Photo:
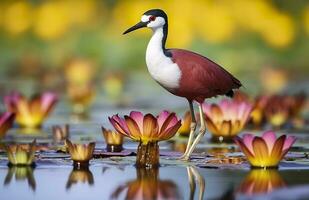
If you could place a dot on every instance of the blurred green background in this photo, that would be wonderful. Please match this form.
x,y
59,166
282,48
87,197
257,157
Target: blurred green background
x,y
263,42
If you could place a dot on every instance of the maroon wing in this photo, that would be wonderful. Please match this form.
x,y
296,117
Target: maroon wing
x,y
201,77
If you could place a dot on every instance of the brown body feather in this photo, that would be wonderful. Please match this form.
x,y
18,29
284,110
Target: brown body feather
x,y
201,78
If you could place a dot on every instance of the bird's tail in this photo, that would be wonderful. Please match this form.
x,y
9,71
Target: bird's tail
x,y
230,94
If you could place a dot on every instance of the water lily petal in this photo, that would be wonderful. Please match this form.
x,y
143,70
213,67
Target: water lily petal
x,y
226,128
186,124
134,131
11,101
80,152
174,120
206,108
288,143
237,113
248,139
30,113
162,117
170,132
119,124
211,126
236,127
170,121
215,113
70,146
6,122
260,151
90,149
270,139
112,137
138,118
244,148
48,100
244,110
150,127
276,153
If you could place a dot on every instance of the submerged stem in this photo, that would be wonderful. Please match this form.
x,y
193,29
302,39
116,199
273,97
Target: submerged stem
x,y
147,155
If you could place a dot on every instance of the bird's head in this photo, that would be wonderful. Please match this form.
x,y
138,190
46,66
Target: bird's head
x,y
154,19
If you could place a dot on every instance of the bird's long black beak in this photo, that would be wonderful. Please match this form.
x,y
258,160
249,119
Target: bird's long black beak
x,y
135,27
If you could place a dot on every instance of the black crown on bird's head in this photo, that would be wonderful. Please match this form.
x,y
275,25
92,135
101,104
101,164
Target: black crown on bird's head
x,y
157,13
149,20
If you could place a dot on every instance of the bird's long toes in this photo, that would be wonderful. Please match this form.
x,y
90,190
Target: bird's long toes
x,y
184,158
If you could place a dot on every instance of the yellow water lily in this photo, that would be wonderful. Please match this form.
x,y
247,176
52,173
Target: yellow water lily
x,y
21,155
80,153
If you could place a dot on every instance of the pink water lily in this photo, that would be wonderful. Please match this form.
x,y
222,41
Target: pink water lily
x,y
147,128
30,112
6,122
227,118
265,151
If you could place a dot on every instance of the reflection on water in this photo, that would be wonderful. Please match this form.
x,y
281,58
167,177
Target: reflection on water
x,y
220,156
147,185
194,175
82,175
260,181
118,181
21,173
220,150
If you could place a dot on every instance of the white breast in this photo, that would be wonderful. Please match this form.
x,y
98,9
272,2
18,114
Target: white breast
x,y
161,67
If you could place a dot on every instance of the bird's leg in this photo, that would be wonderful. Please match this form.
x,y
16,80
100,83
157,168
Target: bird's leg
x,y
191,182
201,182
192,130
199,136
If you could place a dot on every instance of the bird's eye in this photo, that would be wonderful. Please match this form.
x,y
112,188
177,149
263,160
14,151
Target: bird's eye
x,y
152,18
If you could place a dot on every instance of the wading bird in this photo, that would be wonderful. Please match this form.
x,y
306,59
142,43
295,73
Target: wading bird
x,y
183,73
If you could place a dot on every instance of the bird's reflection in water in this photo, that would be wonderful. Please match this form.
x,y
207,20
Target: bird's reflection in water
x,y
147,186
82,175
21,173
194,176
261,181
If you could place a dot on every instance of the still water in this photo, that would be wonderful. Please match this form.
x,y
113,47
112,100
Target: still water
x,y
112,182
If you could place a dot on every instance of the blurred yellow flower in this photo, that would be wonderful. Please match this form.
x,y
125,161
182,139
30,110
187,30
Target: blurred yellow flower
x,y
79,71
1,13
52,19
214,22
260,16
181,30
113,85
86,11
306,19
273,80
279,31
81,97
17,17
128,13
252,14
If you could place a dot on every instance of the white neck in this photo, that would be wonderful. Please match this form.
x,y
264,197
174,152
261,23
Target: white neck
x,y
155,44
161,67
